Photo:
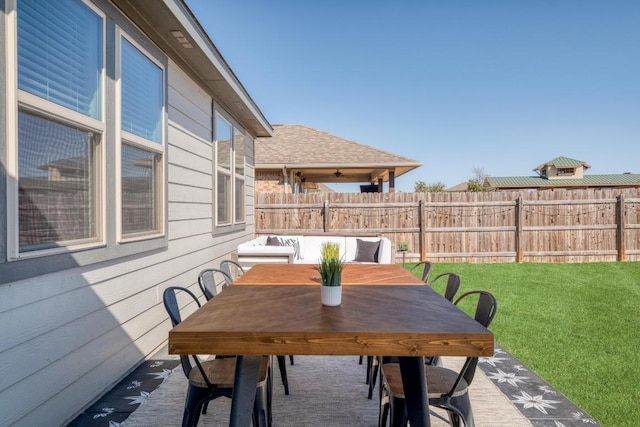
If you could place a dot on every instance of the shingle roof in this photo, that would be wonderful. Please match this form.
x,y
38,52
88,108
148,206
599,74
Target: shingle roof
x,y
303,146
463,186
613,180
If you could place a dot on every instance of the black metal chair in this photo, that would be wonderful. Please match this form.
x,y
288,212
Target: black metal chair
x,y
231,268
447,389
428,266
211,379
210,278
208,285
453,284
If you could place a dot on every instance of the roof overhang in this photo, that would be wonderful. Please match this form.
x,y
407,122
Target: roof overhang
x,y
351,172
160,20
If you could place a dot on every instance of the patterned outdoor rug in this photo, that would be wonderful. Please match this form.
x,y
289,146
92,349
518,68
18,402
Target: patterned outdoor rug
x,y
534,397
536,400
120,402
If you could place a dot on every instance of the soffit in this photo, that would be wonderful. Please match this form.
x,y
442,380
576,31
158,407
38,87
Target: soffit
x,y
203,62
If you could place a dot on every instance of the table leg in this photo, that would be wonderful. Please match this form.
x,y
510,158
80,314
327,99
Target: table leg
x,y
244,390
414,383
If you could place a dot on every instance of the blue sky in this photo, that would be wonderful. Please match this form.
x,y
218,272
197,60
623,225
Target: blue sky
x,y
499,85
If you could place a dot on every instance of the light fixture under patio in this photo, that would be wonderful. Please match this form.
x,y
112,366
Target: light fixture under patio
x,y
337,173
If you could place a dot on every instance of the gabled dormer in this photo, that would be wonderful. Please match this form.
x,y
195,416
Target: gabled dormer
x,y
562,168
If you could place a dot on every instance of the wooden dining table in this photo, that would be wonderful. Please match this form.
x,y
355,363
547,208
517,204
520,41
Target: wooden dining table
x,y
393,319
306,274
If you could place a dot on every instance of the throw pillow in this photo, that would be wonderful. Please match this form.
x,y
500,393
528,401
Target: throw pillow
x,y
367,251
273,241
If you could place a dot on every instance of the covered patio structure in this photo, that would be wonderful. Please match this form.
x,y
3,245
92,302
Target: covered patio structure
x,y
298,158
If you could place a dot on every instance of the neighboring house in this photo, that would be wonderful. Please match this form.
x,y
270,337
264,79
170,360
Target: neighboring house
x,y
463,186
562,172
126,166
299,158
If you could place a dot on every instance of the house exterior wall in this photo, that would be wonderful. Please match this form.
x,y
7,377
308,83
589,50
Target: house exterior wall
x,y
271,182
68,336
552,173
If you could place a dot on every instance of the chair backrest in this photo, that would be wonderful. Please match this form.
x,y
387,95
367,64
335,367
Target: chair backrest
x,y
170,300
229,266
486,309
208,280
453,284
428,266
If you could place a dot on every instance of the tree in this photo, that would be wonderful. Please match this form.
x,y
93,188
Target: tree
x,y
476,183
423,187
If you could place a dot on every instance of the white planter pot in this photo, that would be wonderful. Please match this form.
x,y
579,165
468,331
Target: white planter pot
x,y
331,295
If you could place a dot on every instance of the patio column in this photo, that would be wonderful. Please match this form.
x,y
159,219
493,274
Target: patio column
x,y
380,182
392,181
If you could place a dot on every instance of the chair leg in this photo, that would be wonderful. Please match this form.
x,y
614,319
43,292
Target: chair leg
x,y
283,373
368,374
291,359
373,376
461,406
196,397
454,419
398,412
261,410
384,407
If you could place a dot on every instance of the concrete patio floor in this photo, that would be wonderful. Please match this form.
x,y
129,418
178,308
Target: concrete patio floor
x,y
331,391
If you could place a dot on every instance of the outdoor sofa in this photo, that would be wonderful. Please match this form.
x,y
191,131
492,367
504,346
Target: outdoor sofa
x,y
306,249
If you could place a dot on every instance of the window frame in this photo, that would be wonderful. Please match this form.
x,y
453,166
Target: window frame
x,y
127,138
19,266
19,100
565,171
234,224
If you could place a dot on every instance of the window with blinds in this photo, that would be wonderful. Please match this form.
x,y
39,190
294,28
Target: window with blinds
x,y
141,82
60,54
60,64
142,149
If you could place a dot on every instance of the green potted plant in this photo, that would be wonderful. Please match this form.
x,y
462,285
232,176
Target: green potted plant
x,y
330,269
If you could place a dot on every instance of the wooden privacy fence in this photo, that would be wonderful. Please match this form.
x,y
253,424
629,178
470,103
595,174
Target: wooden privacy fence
x,y
541,226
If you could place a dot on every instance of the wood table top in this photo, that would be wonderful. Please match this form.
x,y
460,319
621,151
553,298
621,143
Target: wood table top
x,y
391,320
306,274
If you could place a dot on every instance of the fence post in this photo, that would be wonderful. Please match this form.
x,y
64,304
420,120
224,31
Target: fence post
x,y
621,228
422,236
325,223
518,236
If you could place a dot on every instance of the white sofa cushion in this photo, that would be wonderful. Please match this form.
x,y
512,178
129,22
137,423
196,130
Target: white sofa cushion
x,y
313,247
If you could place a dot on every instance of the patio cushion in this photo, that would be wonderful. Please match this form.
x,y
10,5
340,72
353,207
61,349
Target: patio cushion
x,y
367,251
273,241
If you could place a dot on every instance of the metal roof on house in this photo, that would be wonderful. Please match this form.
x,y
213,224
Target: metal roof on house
x,y
612,180
561,162
321,153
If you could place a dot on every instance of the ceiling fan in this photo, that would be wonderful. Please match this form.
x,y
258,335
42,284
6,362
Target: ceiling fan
x,y
337,173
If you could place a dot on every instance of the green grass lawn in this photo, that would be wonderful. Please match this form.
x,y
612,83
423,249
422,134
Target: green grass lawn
x,y
575,325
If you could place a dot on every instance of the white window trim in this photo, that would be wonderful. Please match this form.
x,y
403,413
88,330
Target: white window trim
x,y
219,111
139,142
16,100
